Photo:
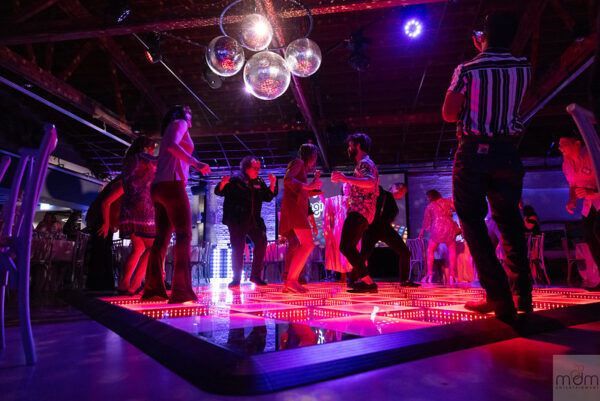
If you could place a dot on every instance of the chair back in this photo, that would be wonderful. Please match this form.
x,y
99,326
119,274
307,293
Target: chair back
x,y
195,252
205,253
30,176
536,247
79,249
417,249
31,171
565,246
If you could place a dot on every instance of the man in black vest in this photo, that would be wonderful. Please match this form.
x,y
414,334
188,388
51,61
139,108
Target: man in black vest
x,y
244,194
381,229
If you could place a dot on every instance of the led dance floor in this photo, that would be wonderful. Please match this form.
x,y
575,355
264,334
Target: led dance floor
x,y
261,335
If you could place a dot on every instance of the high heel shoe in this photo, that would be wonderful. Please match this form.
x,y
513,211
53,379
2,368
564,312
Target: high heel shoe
x,y
427,279
293,286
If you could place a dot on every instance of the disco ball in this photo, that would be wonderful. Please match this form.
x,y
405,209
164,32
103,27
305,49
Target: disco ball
x,y
256,32
266,75
225,56
303,57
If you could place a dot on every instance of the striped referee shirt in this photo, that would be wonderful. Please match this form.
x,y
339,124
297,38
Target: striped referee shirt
x,y
493,84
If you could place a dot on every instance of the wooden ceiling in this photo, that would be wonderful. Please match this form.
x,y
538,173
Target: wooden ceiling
x,y
74,54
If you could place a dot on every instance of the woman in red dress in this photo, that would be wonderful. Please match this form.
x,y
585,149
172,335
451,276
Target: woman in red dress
x,y
294,224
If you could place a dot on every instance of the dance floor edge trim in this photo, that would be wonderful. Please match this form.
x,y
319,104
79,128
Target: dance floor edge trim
x,y
218,370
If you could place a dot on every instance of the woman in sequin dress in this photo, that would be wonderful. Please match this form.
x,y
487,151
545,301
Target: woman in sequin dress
x,y
442,229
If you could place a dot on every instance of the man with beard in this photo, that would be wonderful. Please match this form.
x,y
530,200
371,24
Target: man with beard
x,y
362,201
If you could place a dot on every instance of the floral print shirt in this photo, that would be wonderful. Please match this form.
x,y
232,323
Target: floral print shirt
x,y
363,200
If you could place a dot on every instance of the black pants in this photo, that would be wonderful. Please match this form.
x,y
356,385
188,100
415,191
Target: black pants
x,y
497,175
237,238
354,227
100,275
591,232
379,231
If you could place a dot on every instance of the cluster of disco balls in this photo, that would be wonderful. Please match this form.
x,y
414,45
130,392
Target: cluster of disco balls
x,y
266,74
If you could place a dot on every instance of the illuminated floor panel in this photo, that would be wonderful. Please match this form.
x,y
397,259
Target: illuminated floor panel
x,y
255,320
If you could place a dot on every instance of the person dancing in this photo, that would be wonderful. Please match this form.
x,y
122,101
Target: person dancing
x,y
442,230
294,224
172,208
484,99
137,211
362,200
381,229
244,194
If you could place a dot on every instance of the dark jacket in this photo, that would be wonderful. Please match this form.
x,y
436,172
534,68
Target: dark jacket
x,y
386,208
243,200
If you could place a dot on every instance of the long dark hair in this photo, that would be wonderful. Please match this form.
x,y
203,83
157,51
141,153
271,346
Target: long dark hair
x,y
138,146
174,113
433,195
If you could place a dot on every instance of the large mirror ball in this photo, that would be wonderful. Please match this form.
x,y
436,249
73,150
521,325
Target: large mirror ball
x,y
266,75
225,56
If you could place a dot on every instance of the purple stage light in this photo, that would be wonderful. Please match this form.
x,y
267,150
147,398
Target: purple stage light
x,y
413,28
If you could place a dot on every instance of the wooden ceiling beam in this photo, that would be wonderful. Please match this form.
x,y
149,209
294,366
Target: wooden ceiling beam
x,y
114,79
84,28
527,25
27,12
75,9
76,61
569,63
56,87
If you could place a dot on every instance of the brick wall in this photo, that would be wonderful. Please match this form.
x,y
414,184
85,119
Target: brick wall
x,y
218,234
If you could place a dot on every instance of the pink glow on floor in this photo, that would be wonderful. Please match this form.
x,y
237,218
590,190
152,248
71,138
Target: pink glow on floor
x,y
329,306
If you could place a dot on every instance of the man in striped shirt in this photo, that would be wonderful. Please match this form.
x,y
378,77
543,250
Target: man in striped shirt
x,y
484,99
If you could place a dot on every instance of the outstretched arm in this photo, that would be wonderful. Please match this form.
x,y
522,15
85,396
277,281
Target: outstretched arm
x,y
115,193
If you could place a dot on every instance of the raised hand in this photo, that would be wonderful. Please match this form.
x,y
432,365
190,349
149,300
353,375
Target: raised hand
x,y
337,176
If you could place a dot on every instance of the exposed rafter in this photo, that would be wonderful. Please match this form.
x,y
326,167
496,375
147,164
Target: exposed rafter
x,y
114,79
56,87
32,10
527,25
83,52
90,27
569,62
75,9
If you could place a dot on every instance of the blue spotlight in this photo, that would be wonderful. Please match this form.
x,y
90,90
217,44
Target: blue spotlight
x,y
413,28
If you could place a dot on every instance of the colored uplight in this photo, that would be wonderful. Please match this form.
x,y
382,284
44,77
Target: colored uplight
x,y
413,28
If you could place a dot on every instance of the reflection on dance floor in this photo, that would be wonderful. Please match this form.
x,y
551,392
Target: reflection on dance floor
x,y
252,320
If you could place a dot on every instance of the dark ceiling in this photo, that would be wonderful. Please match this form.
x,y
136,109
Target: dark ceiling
x,y
73,54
